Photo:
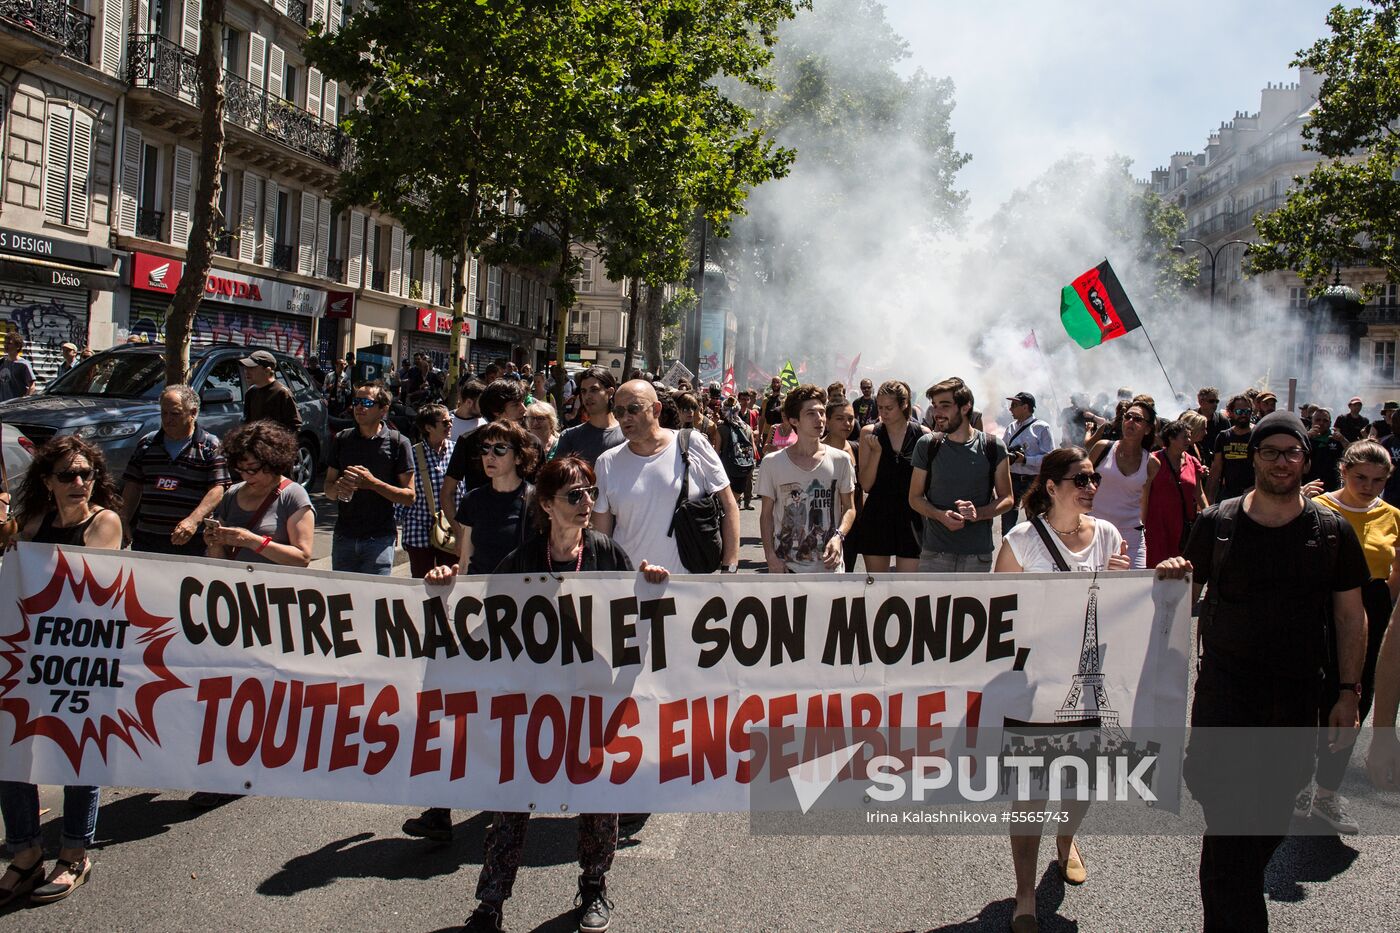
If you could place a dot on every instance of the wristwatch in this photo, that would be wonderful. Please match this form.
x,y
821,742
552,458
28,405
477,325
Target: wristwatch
x,y
730,568
1350,688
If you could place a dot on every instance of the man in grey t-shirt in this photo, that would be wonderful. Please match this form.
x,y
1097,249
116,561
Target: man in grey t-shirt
x,y
599,431
962,480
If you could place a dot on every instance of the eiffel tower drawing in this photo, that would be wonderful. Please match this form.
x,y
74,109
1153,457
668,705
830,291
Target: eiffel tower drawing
x,y
1087,698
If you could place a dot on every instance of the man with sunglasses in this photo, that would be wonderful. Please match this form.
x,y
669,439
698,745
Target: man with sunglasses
x,y
1231,473
370,470
502,400
640,482
599,431
174,479
1208,407
1281,647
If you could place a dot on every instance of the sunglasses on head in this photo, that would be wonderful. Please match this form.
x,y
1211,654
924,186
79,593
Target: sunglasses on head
x,y
575,496
364,402
497,450
1082,480
68,476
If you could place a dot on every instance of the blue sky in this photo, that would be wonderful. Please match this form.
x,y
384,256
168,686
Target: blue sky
x,y
1038,80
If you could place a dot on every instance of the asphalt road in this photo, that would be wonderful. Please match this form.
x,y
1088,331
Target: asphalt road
x,y
276,864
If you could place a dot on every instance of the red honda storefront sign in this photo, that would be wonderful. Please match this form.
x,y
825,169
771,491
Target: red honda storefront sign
x,y
340,304
431,321
159,274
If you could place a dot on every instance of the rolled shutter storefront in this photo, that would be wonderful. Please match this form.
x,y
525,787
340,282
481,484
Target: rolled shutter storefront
x,y
46,317
219,323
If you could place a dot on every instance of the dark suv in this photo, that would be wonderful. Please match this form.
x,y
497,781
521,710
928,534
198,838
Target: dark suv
x,y
113,400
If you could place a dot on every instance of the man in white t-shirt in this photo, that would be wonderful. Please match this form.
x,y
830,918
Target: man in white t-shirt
x,y
639,483
467,417
811,488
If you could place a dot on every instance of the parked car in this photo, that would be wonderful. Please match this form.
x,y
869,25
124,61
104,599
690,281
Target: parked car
x,y
17,459
113,400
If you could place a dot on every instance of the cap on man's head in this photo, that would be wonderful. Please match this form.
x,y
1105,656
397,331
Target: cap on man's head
x,y
1025,398
1267,395
1280,422
68,346
1355,400
260,358
1391,405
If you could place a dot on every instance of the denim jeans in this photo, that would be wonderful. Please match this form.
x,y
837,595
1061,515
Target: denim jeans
x,y
363,555
20,804
945,562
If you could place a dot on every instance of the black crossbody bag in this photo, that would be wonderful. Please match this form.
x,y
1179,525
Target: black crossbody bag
x,y
695,524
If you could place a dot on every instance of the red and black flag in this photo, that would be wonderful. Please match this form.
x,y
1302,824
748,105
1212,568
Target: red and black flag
x,y
1095,309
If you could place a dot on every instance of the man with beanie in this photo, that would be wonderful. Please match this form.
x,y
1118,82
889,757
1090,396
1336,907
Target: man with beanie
x,y
1282,642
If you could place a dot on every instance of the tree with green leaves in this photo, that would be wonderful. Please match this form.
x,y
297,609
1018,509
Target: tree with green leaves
x,y
1346,211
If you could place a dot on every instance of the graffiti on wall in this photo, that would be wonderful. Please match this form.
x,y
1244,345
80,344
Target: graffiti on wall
x,y
233,327
42,324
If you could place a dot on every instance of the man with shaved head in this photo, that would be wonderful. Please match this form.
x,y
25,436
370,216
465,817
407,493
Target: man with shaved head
x,y
639,483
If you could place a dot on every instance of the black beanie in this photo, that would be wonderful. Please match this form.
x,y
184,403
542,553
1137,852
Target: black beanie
x,y
1280,422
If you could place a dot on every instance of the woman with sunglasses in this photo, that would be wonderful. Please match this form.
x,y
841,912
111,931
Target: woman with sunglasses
x,y
565,492
67,498
267,518
1174,494
1125,466
1057,507
888,529
693,417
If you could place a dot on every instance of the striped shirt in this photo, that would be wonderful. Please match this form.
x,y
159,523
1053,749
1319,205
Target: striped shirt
x,y
170,490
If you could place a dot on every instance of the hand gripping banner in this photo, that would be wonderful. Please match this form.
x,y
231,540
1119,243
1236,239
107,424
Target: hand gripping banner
x,y
593,693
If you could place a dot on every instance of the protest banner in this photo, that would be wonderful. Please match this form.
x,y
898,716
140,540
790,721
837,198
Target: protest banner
x,y
593,692
678,372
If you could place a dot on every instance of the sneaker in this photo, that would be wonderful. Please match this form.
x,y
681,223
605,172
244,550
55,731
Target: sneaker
x,y
1333,811
1302,804
485,919
592,906
434,823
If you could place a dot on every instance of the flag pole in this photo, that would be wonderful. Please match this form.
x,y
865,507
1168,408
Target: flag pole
x,y
1163,367
1049,372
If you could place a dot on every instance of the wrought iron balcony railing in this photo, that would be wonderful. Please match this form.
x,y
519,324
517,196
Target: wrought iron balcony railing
x,y
149,223
158,63
296,9
56,20
376,280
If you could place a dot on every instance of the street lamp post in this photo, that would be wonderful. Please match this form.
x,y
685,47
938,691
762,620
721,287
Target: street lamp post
x,y
1213,254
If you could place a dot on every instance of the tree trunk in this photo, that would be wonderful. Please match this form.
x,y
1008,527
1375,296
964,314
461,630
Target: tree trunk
x,y
561,327
631,332
651,334
460,297
199,251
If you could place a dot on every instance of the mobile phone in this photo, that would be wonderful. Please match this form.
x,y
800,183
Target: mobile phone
x,y
212,524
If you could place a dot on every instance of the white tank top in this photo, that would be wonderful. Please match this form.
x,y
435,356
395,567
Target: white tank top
x,y
1119,499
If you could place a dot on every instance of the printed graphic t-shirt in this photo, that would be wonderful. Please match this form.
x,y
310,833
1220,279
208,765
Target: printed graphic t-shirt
x,y
805,514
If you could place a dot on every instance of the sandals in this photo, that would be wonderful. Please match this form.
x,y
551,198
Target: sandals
x,y
29,878
58,890
1072,870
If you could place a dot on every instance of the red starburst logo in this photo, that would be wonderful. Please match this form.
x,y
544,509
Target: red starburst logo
x,y
82,595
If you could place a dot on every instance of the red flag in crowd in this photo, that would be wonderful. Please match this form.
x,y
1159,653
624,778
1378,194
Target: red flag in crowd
x,y
728,387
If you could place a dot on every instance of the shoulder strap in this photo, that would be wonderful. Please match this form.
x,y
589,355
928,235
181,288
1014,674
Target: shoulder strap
x,y
267,503
420,454
1019,431
1060,563
1103,454
1225,514
989,450
1328,533
935,444
683,445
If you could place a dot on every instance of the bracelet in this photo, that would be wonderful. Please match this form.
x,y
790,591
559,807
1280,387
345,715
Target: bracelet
x,y
267,539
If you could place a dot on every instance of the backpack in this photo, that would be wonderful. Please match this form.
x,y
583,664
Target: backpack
x,y
738,453
989,450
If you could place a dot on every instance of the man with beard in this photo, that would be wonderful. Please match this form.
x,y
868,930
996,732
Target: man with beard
x,y
1230,470
1327,449
599,430
1282,574
961,481
1353,424
865,408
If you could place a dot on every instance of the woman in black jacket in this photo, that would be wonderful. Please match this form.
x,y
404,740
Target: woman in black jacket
x,y
564,493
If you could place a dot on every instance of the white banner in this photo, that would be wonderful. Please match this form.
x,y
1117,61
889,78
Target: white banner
x,y
593,693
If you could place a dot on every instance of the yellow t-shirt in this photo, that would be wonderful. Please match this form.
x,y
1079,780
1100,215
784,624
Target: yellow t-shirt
x,y
1377,527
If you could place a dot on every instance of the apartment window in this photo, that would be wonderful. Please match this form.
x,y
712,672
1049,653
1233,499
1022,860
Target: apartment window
x,y
289,84
1388,296
584,282
493,292
1297,297
235,62
517,304
67,165
1383,360
284,216
150,178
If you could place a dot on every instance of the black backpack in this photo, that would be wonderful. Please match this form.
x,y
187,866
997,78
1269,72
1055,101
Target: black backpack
x,y
695,523
738,453
989,450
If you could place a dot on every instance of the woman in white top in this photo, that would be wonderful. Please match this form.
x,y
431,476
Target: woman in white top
x,y
1127,469
1059,499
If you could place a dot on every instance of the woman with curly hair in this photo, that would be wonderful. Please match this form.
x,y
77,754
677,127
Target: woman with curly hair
x,y
267,518
1127,471
67,498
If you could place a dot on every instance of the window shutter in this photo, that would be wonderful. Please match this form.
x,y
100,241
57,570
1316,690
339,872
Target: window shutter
x,y
257,60
395,285
58,143
81,166
129,191
430,296
306,235
269,231
182,197
276,69
248,218
141,10
355,251
189,25
280,5
330,102
112,36
337,8
314,82
323,236
318,12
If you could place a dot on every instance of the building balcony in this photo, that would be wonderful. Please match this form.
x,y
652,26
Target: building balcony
x,y
54,20
335,270
296,11
157,64
284,256
1381,314
149,223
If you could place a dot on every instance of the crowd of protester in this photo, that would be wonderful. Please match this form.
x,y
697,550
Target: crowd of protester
x,y
500,480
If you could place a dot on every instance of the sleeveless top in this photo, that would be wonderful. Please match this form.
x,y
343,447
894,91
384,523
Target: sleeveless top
x,y
49,533
1119,499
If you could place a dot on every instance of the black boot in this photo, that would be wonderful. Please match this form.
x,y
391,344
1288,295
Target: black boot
x,y
485,919
592,905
